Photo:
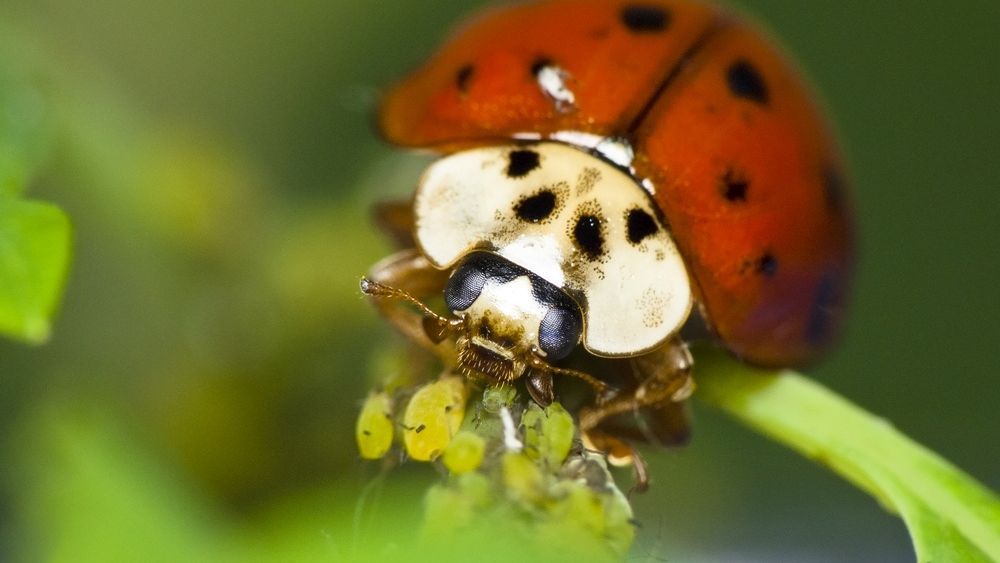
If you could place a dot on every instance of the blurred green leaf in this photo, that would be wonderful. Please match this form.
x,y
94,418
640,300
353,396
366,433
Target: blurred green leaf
x,y
92,495
950,516
26,129
34,258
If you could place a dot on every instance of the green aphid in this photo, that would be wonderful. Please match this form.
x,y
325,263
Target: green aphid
x,y
548,433
464,453
446,510
522,478
498,397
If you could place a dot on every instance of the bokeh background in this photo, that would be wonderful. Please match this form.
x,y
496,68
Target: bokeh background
x,y
217,160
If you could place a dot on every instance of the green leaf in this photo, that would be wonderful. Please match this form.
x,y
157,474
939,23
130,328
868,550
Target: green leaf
x,y
88,492
34,258
950,516
26,126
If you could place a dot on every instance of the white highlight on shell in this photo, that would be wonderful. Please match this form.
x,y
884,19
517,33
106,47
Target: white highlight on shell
x,y
552,80
615,149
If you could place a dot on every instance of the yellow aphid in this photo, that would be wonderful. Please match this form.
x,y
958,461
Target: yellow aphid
x,y
374,430
433,416
464,453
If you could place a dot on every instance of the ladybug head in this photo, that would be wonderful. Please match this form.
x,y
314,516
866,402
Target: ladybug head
x,y
512,317
506,322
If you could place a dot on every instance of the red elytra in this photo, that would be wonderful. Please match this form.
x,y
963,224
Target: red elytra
x,y
740,160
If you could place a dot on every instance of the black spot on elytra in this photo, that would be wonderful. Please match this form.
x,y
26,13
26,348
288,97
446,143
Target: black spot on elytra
x,y
521,163
463,76
746,82
640,225
833,187
540,64
766,265
536,208
639,18
589,236
734,186
420,428
824,308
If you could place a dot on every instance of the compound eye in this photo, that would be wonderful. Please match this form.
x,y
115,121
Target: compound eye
x,y
464,287
560,332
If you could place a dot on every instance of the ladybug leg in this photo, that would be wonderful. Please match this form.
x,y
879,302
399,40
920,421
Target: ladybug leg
x,y
405,278
395,218
539,385
664,376
620,454
664,382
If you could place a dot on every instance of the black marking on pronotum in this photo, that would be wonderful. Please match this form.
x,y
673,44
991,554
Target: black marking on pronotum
x,y
496,269
734,186
463,76
639,18
540,64
589,236
824,307
745,81
521,162
420,428
640,225
766,265
833,187
536,208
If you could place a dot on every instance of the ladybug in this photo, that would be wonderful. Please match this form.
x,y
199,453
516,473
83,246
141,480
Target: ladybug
x,y
615,175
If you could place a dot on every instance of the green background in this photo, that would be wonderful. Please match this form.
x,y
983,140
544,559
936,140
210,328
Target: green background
x,y
217,159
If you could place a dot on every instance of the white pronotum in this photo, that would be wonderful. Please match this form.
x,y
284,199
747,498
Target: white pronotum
x,y
573,219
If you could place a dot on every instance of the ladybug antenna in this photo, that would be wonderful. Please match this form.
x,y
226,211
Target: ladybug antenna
x,y
435,326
